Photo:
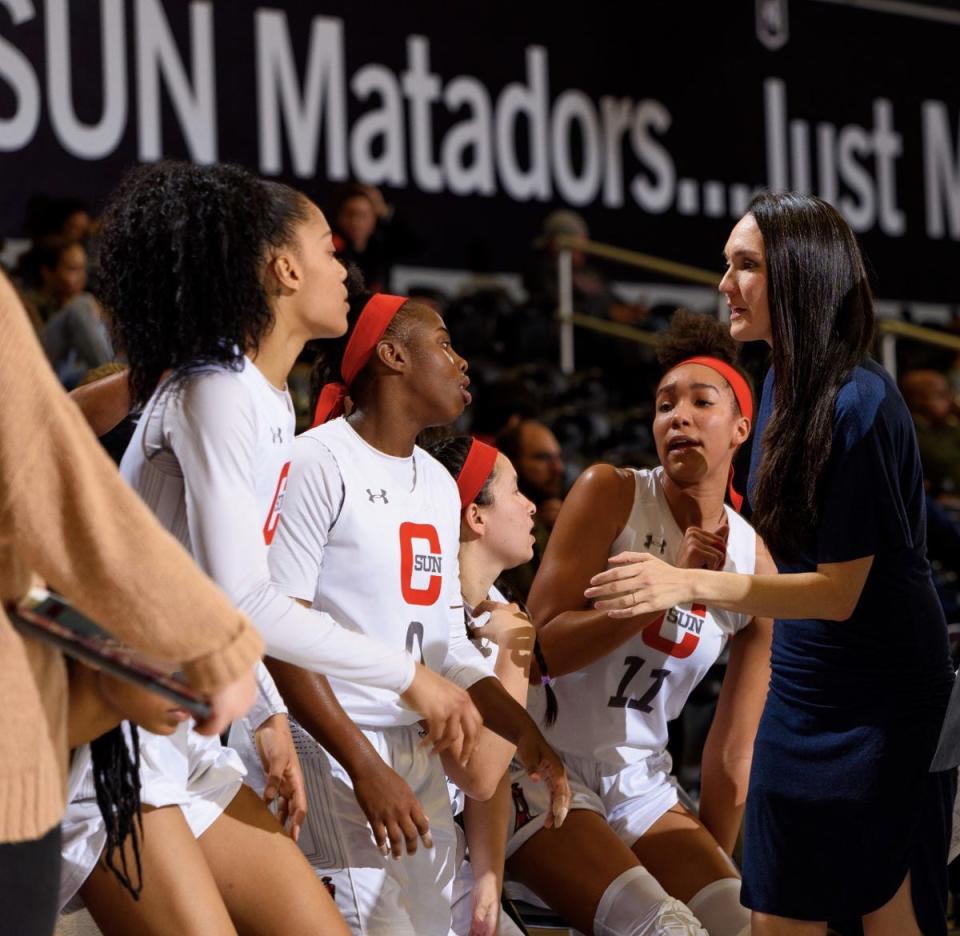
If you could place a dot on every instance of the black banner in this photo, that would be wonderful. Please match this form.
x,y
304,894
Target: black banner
x,y
656,120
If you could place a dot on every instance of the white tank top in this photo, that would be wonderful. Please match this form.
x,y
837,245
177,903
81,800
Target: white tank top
x,y
373,540
617,708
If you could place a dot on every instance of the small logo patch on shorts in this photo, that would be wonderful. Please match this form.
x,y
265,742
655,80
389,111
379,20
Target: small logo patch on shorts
x,y
521,808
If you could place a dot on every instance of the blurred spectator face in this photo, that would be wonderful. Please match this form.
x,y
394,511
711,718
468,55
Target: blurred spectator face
x,y
357,220
76,226
928,395
68,277
540,464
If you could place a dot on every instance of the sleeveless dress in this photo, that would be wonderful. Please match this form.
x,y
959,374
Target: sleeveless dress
x,y
841,802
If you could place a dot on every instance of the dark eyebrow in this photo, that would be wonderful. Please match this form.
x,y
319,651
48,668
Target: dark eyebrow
x,y
443,328
742,252
696,386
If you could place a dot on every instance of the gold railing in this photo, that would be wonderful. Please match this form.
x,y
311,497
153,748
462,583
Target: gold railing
x,y
891,330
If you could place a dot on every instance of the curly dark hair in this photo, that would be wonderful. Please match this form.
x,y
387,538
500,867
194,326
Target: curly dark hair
x,y
692,335
181,259
452,453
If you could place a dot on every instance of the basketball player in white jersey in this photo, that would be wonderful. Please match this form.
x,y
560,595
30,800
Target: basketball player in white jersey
x,y
370,535
631,859
215,280
495,535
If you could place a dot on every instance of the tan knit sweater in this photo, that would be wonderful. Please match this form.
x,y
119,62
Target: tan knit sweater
x,y
67,516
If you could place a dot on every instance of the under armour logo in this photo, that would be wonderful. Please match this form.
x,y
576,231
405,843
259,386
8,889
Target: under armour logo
x,y
381,496
648,542
277,435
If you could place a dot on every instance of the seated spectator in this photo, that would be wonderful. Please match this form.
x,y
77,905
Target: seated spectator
x,y
368,234
536,454
73,331
592,293
937,418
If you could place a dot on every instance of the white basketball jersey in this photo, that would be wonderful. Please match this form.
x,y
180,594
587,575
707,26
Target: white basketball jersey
x,y
155,471
617,708
389,566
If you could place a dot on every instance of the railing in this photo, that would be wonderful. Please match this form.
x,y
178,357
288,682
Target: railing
x,y
891,330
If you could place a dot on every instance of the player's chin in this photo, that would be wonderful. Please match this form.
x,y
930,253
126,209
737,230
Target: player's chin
x,y
165,727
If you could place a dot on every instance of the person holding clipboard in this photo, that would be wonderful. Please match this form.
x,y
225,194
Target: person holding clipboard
x,y
68,518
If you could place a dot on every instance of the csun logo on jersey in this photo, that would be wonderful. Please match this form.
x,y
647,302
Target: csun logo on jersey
x,y
273,518
678,622
421,564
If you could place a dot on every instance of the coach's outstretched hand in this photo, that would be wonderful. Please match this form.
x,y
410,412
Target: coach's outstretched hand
x,y
229,704
542,763
639,583
450,717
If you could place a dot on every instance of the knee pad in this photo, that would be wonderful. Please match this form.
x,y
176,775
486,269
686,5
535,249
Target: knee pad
x,y
636,905
718,908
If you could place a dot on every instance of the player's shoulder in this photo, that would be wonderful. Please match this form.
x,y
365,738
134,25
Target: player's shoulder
x,y
313,452
435,471
740,527
209,385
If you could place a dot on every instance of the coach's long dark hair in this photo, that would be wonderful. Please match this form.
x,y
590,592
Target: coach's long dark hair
x,y
116,780
452,453
822,325
181,259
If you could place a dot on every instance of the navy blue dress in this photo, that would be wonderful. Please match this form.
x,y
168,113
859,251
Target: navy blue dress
x,y
841,802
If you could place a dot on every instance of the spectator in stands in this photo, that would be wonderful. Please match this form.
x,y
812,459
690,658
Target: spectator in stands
x,y
592,293
72,327
368,233
937,418
538,458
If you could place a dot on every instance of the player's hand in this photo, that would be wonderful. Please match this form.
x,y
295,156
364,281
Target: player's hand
x,y
396,817
542,763
485,900
702,550
508,626
639,583
231,702
450,718
284,774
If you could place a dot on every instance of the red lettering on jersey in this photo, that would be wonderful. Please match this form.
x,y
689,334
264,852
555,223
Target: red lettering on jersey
x,y
680,651
408,533
273,518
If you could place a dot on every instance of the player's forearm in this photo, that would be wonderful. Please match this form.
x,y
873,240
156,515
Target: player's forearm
x,y
723,795
311,701
502,714
574,639
485,825
504,720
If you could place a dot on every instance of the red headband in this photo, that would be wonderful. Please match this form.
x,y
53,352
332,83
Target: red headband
x,y
376,315
475,471
743,396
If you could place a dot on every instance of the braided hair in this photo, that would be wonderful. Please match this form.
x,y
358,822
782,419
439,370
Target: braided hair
x,y
116,780
452,453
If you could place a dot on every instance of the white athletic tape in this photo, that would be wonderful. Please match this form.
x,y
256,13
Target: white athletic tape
x,y
636,905
717,906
